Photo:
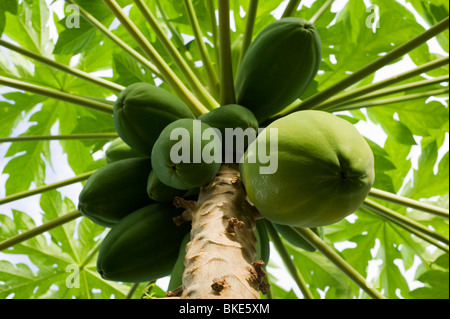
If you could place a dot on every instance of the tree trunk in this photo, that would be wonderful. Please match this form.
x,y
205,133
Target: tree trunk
x,y
221,257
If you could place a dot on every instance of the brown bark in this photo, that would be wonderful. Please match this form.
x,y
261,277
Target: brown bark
x,y
220,258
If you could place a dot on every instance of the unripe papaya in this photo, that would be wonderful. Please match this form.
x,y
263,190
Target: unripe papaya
x,y
294,238
160,192
278,66
186,154
233,121
141,112
324,170
263,242
115,190
230,116
143,246
119,150
176,276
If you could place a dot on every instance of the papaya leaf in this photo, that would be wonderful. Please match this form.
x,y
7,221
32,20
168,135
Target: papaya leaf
x,y
436,283
75,40
27,165
422,117
398,154
29,28
436,286
321,275
433,12
384,166
62,264
17,107
393,127
385,249
7,6
426,182
128,71
78,34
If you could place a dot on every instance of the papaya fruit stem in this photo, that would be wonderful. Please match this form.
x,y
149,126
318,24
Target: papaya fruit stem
x,y
218,264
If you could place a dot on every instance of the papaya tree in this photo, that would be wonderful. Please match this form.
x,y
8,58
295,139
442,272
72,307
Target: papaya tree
x,y
98,200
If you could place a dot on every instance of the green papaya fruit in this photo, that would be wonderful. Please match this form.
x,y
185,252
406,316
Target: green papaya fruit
x,y
119,150
191,161
294,238
176,276
262,244
230,116
233,121
321,170
141,112
143,246
278,66
115,190
160,192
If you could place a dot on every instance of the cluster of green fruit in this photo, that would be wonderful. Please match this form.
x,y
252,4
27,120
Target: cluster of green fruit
x,y
325,167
